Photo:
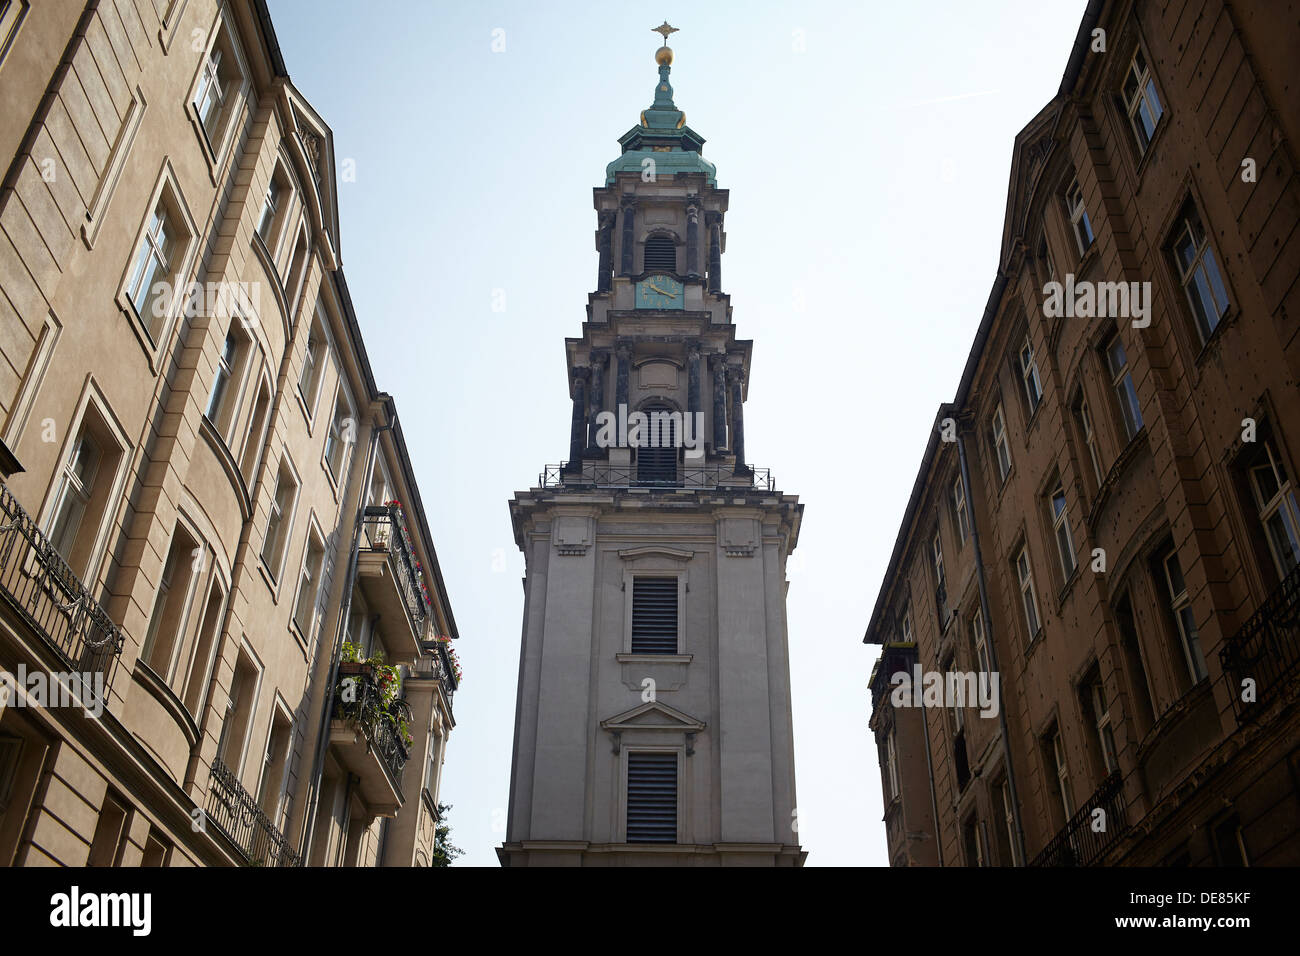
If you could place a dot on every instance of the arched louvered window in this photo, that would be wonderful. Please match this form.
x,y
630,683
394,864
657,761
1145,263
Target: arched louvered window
x,y
660,255
656,455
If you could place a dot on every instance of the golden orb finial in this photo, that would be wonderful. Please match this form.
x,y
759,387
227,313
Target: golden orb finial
x,y
664,55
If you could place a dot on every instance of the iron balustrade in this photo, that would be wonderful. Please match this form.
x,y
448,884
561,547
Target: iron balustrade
x,y
48,595
383,529
599,474
235,813
1086,837
1266,649
361,704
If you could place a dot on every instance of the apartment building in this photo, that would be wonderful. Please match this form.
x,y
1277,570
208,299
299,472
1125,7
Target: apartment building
x,y
1106,515
211,525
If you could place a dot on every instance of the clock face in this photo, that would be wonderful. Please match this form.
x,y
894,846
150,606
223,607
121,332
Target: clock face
x,y
660,292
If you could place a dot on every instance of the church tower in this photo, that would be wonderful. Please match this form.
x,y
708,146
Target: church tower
x,y
653,721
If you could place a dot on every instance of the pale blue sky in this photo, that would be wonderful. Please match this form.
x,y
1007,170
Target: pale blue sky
x,y
868,178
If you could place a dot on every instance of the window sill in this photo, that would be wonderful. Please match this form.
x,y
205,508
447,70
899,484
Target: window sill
x,y
1117,469
271,584
222,451
1210,347
137,325
627,657
1035,641
1063,595
308,415
277,283
1144,155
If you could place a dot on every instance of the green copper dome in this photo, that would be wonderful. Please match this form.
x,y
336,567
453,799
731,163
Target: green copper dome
x,y
662,136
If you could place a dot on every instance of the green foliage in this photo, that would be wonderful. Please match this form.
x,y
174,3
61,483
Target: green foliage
x,y
443,849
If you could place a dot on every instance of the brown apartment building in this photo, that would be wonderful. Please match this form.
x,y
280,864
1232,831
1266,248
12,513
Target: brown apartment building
x,y
1106,515
208,512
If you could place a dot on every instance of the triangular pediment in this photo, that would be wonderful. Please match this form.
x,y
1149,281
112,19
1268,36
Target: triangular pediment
x,y
653,716
1029,159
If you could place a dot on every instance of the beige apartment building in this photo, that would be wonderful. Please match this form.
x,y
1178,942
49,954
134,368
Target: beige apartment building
x,y
208,508
653,721
1106,516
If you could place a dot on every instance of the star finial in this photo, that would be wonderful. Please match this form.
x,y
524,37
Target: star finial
x,y
664,29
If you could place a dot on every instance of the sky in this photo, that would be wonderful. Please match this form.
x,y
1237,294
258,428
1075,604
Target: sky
x,y
867,149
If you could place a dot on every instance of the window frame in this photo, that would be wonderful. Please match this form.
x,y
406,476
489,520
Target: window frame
x,y
1060,521
216,143
1001,443
1029,369
1076,213
960,513
1123,390
1028,593
1179,605
1132,107
284,529
1188,224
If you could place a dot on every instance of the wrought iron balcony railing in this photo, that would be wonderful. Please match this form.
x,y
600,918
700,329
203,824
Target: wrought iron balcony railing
x,y
1088,835
361,704
235,813
599,474
1266,649
383,528
39,585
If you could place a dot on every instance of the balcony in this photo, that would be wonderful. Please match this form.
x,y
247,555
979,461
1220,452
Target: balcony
x,y
1078,844
236,814
367,737
389,575
436,664
38,584
599,474
1266,649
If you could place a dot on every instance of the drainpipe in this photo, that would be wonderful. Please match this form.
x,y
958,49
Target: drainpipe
x,y
322,737
929,770
992,648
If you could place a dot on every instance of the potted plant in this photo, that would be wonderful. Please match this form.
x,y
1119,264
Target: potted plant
x,y
350,662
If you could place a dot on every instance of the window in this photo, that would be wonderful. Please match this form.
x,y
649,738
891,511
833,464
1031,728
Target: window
x,y
1122,382
1100,708
1141,100
656,456
1060,516
279,523
165,636
1180,606
273,207
155,266
654,615
313,362
652,798
297,272
304,612
275,761
223,400
239,711
906,633
1084,416
960,518
84,492
157,851
205,651
957,717
78,481
891,754
217,91
940,589
660,254
1078,213
979,644
1029,375
1029,602
110,833
341,435
1056,753
1275,501
1198,270
1139,684
1229,844
1001,450
973,841
1009,848
256,435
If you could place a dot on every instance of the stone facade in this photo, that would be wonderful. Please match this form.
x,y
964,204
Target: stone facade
x,y
707,695
204,496
1106,514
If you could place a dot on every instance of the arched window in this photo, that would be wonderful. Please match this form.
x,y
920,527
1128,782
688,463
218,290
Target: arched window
x,y
660,255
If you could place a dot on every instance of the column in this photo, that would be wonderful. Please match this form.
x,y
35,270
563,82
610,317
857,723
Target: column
x,y
736,375
599,358
629,236
624,354
714,222
605,247
578,427
692,238
717,370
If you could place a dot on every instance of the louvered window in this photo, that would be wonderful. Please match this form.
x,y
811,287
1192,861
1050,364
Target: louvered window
x,y
652,798
660,255
654,615
656,457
